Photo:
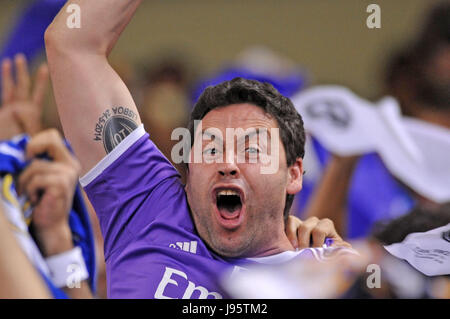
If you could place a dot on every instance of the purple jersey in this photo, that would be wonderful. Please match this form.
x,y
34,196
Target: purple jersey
x,y
152,249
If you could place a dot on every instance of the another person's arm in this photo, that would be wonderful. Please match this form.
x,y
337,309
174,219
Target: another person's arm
x,y
330,196
95,107
18,277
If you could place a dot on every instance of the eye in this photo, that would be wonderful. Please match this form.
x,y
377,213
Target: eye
x,y
252,150
210,151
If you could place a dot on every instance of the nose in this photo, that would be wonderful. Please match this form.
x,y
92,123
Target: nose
x,y
229,168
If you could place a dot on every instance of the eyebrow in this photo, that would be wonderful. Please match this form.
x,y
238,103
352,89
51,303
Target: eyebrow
x,y
253,132
256,131
205,132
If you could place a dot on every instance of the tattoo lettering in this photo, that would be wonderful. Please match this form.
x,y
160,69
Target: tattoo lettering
x,y
114,125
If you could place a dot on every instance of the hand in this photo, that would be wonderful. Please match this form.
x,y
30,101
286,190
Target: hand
x,y
21,108
50,186
312,232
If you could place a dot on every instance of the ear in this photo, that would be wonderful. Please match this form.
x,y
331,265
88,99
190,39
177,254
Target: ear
x,y
295,177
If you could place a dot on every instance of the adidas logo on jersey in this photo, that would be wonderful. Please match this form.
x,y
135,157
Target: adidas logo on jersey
x,y
189,246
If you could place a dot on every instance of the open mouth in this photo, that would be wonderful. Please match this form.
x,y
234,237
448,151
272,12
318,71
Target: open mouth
x,y
230,208
228,203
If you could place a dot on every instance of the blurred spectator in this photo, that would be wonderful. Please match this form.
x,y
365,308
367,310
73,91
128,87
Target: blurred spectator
x,y
261,64
27,37
399,278
165,104
419,220
46,211
419,75
40,197
368,192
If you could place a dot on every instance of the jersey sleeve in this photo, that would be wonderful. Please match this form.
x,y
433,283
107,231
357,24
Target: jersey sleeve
x,y
130,187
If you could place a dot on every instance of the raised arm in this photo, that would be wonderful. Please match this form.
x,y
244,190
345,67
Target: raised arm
x,y
330,196
95,107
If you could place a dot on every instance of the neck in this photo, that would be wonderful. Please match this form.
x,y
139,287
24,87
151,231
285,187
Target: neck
x,y
277,246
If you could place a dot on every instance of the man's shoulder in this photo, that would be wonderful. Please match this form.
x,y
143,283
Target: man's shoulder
x,y
134,156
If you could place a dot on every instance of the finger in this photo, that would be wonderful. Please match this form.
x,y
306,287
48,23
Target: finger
x,y
20,116
319,233
291,230
23,77
28,119
324,229
7,82
38,185
40,86
49,141
37,167
304,232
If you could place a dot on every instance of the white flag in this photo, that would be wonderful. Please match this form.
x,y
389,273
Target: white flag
x,y
428,252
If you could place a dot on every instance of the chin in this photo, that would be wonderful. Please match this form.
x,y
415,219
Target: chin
x,y
229,250
228,253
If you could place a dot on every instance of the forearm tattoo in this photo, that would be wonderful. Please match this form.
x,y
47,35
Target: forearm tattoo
x,y
114,125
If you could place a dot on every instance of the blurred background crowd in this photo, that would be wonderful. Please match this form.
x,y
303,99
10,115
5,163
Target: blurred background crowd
x,y
173,49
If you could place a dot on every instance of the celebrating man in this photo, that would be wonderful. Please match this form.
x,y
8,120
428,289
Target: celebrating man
x,y
164,239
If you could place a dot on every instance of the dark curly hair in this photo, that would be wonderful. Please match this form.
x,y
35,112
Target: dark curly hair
x,y
265,96
419,219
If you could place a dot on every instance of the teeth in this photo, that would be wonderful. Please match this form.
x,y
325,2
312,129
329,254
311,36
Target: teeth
x,y
227,192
